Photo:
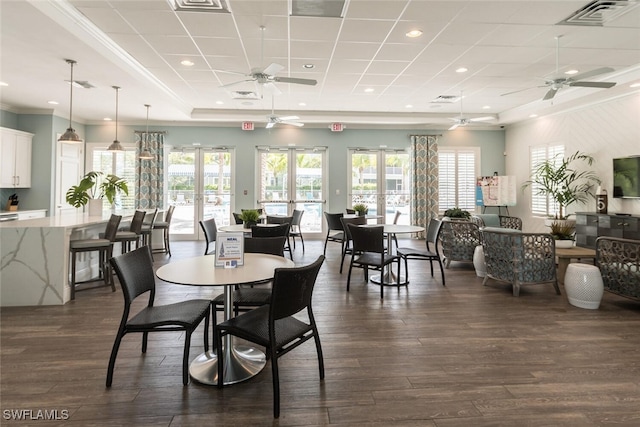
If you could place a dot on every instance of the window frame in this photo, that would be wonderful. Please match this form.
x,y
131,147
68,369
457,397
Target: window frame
x,y
468,202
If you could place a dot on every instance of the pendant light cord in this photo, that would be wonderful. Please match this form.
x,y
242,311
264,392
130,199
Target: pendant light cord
x,y
117,88
71,62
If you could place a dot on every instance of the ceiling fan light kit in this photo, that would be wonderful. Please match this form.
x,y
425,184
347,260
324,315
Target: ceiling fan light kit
x,y
115,145
70,135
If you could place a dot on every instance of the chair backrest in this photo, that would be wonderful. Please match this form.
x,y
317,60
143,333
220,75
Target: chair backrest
x,y
169,214
432,233
112,227
136,222
150,219
237,219
265,245
458,239
350,211
297,217
367,239
397,215
356,220
135,273
280,220
271,231
333,221
293,289
210,231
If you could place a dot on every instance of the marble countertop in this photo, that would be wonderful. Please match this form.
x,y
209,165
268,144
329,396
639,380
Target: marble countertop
x,y
63,221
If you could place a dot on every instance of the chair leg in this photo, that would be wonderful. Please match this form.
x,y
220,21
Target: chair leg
x,y
217,344
73,275
145,336
207,321
185,358
406,268
302,241
349,275
166,241
112,358
316,338
276,385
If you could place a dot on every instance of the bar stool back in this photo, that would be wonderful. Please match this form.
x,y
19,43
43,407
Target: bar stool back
x,y
133,234
164,226
104,247
147,230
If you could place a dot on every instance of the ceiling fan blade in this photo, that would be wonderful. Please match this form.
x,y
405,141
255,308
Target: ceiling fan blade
x,y
230,72
481,119
273,69
236,83
455,126
604,85
591,73
309,82
270,125
298,124
519,90
272,89
550,94
288,118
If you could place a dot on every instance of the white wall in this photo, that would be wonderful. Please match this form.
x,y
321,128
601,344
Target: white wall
x,y
606,131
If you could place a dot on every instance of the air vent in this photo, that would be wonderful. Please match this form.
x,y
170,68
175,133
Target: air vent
x,y
82,84
244,94
446,99
599,12
318,8
211,6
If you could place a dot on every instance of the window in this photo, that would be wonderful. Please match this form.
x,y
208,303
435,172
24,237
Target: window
x,y
119,163
458,169
540,203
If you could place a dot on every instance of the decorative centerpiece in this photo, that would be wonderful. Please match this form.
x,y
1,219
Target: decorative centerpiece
x,y
563,232
457,214
360,209
93,187
249,217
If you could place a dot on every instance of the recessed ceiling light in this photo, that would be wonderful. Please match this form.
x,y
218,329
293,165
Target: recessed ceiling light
x,y
187,63
486,107
414,33
107,119
533,116
53,102
4,84
635,85
408,106
461,70
308,66
219,102
369,89
302,104
571,72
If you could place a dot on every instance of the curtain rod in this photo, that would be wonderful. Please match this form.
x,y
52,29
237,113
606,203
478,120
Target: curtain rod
x,y
163,132
437,134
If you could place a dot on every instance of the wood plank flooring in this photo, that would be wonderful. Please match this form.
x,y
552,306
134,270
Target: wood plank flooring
x,y
426,355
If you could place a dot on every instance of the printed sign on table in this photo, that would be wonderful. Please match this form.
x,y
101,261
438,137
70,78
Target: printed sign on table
x,y
230,250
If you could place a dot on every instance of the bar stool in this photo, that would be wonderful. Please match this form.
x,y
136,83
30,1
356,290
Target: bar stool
x,y
147,230
104,247
164,226
133,234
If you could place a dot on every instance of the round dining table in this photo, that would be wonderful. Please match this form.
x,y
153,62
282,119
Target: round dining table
x,y
241,361
240,228
389,277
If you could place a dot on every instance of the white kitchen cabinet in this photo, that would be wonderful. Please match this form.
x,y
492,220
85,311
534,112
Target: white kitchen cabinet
x,y
15,158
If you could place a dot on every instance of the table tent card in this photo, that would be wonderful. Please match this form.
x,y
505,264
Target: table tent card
x,y
229,250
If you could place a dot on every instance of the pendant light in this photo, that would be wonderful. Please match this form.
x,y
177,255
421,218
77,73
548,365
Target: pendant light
x,y
145,154
70,136
115,145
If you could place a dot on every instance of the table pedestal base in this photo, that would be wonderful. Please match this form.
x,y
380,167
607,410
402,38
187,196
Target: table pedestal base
x,y
389,279
241,363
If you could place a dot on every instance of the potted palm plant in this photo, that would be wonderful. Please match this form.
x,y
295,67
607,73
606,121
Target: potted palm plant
x,y
249,217
563,232
360,209
562,180
93,187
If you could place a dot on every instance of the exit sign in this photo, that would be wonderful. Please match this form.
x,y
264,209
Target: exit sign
x,y
247,125
337,127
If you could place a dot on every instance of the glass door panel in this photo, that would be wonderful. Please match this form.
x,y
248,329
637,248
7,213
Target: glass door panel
x,y
397,183
309,189
364,181
274,182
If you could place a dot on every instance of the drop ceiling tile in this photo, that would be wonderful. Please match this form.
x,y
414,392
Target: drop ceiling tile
x,y
209,24
355,50
399,52
387,67
314,29
218,46
311,49
359,30
181,45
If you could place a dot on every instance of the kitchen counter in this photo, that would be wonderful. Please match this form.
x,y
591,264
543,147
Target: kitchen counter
x,y
34,266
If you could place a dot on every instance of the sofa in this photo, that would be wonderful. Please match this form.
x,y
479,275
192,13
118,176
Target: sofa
x,y
619,263
519,258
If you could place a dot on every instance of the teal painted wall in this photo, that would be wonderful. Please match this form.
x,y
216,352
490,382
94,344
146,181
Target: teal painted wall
x,y
492,144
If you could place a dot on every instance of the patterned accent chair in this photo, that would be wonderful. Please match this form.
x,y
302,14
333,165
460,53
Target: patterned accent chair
x,y
494,220
519,258
458,240
619,263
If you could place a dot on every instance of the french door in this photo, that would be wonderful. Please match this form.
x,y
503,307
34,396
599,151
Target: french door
x,y
379,179
293,178
200,185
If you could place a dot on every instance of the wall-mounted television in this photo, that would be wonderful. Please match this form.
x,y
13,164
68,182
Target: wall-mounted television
x,y
626,177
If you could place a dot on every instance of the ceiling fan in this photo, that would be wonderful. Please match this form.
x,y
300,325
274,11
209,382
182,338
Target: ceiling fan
x,y
557,83
464,121
266,77
273,120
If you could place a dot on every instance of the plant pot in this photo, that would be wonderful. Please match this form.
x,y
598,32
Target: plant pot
x,y
95,207
564,244
249,224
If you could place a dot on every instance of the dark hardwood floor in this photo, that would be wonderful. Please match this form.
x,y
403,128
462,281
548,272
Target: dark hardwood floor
x,y
426,355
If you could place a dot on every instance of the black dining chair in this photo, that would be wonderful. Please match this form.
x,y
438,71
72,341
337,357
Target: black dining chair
x,y
368,251
135,272
275,326
430,254
335,232
274,230
295,230
147,229
210,231
133,234
165,226
346,244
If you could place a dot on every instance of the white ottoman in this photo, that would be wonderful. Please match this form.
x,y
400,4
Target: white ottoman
x,y
583,284
478,261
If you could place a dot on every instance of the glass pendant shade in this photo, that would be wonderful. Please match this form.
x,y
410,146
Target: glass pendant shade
x,y
115,145
145,154
70,135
